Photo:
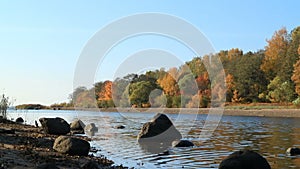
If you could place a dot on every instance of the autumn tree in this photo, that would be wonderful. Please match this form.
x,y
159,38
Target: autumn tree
x,y
168,84
196,66
230,87
275,52
291,57
104,95
85,98
105,92
296,74
234,53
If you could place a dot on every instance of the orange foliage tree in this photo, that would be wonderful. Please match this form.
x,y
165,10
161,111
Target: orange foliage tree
x,y
105,92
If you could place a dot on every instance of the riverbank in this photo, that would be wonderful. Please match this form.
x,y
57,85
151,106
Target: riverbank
x,y
227,111
26,146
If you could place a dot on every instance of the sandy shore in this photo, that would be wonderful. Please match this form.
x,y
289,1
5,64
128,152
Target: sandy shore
x,y
228,112
25,146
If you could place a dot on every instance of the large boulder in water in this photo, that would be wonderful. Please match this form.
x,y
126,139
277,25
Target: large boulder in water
x,y
57,126
293,151
71,146
244,160
159,129
77,127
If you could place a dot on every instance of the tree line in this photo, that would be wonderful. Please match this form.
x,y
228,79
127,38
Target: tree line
x,y
268,75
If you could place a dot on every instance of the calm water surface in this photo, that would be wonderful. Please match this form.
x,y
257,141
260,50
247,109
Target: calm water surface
x,y
268,136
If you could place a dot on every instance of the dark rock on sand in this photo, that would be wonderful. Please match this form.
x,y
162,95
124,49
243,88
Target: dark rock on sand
x,y
159,129
182,143
71,146
90,165
293,151
77,127
244,160
47,166
20,120
5,131
57,126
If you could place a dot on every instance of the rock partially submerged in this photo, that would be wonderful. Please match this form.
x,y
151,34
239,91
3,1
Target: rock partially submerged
x,y
244,160
159,129
293,151
57,126
157,135
119,127
182,143
71,146
91,127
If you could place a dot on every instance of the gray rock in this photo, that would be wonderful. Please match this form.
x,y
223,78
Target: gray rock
x,y
293,151
71,146
159,129
244,160
57,126
77,127
182,143
91,127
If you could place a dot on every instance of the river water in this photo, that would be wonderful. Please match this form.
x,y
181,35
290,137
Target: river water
x,y
268,136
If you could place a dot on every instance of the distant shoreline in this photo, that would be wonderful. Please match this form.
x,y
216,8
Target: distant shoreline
x,y
257,112
228,112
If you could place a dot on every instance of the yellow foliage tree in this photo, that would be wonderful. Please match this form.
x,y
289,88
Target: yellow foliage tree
x,y
169,84
275,50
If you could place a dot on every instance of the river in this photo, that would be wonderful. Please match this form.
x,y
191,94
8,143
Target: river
x,y
269,136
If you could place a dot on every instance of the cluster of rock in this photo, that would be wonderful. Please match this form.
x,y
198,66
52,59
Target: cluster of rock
x,y
68,144
156,136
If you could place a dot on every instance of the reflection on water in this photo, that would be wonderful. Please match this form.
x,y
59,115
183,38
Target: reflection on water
x,y
268,136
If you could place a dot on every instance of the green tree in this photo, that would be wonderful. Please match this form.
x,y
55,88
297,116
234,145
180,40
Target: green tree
x,y
280,91
139,92
250,80
196,66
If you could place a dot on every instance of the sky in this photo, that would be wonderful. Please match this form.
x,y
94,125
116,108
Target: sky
x,y
41,41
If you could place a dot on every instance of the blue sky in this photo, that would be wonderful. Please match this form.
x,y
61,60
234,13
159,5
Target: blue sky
x,y
40,41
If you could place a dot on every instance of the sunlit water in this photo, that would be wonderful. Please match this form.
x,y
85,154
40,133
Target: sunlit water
x,y
268,136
